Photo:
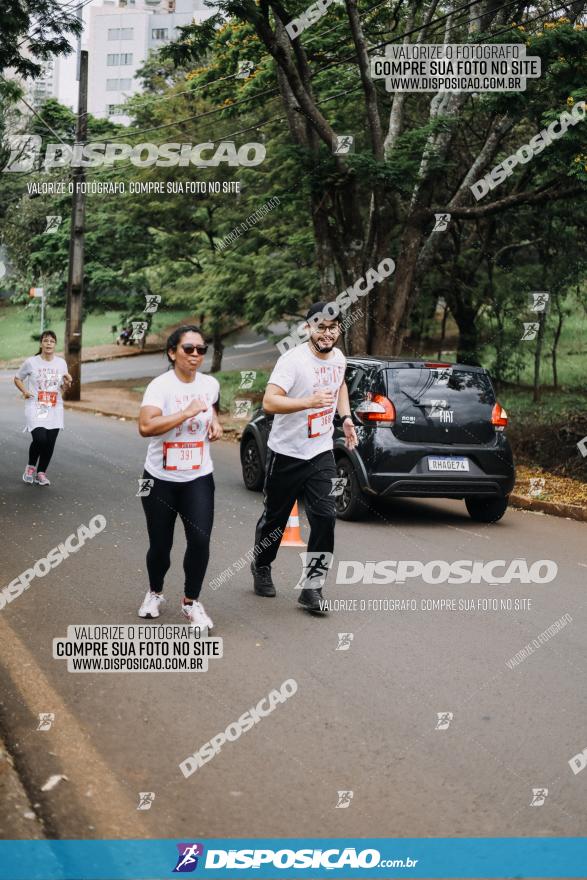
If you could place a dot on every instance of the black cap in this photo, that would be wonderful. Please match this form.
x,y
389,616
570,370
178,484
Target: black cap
x,y
330,311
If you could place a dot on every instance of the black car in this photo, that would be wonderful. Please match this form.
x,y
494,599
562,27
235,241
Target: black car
x,y
425,430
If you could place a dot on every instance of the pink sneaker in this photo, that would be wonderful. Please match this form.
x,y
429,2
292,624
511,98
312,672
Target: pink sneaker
x,y
41,479
29,473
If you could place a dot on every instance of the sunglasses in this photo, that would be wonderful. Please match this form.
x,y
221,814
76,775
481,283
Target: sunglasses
x,y
190,349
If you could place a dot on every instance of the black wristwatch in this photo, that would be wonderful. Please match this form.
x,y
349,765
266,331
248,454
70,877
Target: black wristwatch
x,y
348,416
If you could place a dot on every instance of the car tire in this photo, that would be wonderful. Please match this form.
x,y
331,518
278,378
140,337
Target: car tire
x,y
486,510
252,465
351,504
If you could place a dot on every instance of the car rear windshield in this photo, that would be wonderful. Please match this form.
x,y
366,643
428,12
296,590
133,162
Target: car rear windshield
x,y
457,385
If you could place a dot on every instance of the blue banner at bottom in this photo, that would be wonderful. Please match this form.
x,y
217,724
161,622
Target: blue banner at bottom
x,y
482,857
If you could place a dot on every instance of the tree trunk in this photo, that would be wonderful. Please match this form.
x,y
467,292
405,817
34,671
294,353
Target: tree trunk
x,y
555,342
442,331
468,336
537,356
217,351
391,312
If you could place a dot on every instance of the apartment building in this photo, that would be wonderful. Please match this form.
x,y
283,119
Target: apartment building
x,y
118,35
121,34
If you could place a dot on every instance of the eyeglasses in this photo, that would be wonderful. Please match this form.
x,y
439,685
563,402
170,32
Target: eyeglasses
x,y
333,331
190,349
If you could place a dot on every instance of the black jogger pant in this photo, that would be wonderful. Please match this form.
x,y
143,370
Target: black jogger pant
x,y
41,449
194,502
287,479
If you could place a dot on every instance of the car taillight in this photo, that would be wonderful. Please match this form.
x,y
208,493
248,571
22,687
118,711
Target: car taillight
x,y
499,417
434,366
376,410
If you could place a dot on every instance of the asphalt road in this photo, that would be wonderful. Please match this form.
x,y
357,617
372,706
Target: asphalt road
x,y
362,720
244,350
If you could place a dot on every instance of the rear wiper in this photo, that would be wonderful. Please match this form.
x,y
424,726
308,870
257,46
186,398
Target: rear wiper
x,y
413,399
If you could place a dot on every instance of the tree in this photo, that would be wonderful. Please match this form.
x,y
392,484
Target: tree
x,y
32,31
416,154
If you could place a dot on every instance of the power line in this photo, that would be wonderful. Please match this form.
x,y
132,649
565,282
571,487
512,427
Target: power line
x,y
154,98
39,28
38,115
273,91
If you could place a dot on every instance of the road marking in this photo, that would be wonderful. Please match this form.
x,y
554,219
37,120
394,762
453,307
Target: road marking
x,y
113,812
249,344
468,532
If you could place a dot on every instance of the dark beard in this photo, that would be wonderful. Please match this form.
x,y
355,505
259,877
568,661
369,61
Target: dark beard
x,y
322,350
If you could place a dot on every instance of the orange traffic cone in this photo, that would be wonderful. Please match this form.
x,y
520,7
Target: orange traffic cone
x,y
292,536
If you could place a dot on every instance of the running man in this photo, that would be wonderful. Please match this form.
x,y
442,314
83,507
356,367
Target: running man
x,y
304,390
179,414
45,373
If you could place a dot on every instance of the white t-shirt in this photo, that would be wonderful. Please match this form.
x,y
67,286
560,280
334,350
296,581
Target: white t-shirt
x,y
43,380
183,453
300,373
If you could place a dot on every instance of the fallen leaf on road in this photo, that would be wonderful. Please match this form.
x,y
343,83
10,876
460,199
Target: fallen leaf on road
x,y
53,781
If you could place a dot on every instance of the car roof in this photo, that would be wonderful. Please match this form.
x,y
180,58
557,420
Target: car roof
x,y
370,360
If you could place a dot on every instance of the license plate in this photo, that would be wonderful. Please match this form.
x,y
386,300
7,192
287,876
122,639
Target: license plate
x,y
448,464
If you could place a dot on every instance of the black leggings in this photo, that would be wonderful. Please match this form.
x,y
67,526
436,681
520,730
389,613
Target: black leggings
x,y
41,449
194,501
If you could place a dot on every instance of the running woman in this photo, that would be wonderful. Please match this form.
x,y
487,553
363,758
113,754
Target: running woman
x,y
45,373
179,413
304,390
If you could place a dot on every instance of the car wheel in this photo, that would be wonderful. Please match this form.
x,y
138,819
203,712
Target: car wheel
x,y
351,503
486,510
253,470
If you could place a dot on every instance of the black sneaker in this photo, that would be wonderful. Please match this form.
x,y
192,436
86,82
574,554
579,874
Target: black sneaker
x,y
312,600
262,580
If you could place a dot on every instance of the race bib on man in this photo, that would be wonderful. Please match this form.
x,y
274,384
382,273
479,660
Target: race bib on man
x,y
183,456
48,398
320,423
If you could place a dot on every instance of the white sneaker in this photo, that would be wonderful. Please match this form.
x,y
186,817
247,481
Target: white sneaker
x,y
42,480
151,605
29,473
207,616
196,614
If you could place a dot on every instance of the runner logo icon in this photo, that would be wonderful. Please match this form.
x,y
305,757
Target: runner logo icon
x,y
187,860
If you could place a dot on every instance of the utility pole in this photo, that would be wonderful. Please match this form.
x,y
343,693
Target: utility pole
x,y
75,278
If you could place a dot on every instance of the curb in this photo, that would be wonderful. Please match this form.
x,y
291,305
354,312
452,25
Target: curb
x,y
127,354
552,508
18,821
230,433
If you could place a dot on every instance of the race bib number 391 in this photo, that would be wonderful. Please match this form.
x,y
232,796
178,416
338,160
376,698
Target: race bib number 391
x,y
320,423
48,398
183,456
